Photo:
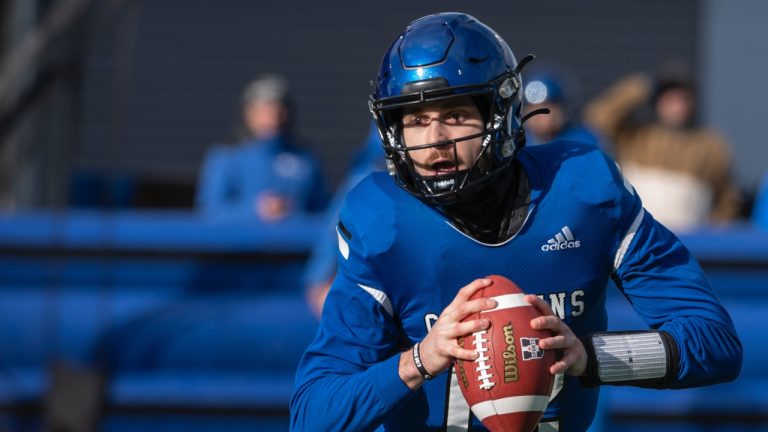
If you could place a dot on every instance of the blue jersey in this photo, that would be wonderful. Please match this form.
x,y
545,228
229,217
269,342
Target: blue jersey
x,y
401,263
232,178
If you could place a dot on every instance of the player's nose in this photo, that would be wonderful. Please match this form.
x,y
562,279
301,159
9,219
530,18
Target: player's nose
x,y
437,131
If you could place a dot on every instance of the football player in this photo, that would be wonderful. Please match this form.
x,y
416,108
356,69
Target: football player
x,y
463,199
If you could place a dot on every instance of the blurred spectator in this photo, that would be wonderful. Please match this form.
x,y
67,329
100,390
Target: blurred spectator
x,y
760,211
680,170
548,89
268,174
322,264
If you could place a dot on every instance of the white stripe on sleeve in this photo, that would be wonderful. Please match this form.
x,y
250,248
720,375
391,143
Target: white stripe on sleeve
x,y
624,245
380,297
343,245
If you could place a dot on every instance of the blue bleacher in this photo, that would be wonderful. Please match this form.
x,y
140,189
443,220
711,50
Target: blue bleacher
x,y
199,323
183,313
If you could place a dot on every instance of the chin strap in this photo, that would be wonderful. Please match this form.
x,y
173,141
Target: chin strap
x,y
639,358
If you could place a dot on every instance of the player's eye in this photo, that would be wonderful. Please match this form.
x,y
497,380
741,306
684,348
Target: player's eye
x,y
415,120
456,117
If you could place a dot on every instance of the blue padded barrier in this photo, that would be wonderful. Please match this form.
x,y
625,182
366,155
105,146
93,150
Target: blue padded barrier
x,y
69,280
231,333
65,277
737,245
21,385
159,231
26,327
198,422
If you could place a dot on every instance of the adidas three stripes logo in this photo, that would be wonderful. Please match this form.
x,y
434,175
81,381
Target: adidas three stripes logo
x,y
562,240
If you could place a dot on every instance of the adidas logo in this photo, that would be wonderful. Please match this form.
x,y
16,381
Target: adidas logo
x,y
562,240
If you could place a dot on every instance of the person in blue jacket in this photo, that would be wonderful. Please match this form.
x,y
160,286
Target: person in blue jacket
x,y
465,198
268,175
548,89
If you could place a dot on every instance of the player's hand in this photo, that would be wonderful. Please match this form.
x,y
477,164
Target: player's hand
x,y
574,358
271,207
439,347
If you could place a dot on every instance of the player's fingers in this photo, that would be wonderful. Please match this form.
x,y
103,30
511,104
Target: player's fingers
x,y
464,294
468,290
539,304
472,306
460,311
550,322
555,342
560,366
468,327
566,362
463,354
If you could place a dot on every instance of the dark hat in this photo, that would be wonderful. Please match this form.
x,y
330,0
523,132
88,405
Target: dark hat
x,y
673,76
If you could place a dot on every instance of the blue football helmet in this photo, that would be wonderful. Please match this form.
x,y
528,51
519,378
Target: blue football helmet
x,y
443,56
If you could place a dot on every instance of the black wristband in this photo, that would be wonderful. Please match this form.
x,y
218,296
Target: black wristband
x,y
419,365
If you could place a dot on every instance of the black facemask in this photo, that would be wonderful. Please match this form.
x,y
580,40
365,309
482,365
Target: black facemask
x,y
497,210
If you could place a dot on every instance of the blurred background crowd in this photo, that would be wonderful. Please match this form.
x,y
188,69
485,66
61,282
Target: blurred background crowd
x,y
170,175
131,94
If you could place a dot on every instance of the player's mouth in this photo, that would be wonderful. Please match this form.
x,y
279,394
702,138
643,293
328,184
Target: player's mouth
x,y
443,166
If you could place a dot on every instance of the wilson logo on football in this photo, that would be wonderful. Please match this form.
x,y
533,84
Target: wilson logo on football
x,y
511,371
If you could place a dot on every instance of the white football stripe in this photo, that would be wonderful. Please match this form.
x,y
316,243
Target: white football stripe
x,y
508,301
509,405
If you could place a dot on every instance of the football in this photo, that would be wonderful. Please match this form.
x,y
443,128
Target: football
x,y
509,385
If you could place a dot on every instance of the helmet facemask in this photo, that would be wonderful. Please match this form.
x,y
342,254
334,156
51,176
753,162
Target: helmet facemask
x,y
499,104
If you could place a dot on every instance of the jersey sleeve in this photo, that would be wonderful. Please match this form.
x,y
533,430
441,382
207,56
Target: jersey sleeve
x,y
348,378
670,292
216,189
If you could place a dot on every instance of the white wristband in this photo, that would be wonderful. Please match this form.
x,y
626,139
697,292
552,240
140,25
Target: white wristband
x,y
630,356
